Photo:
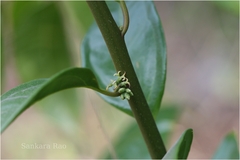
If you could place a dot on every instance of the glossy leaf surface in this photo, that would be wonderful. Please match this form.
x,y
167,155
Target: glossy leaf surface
x,y
228,149
146,45
182,147
15,101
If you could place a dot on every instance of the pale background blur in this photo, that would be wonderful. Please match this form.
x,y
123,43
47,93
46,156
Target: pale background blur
x,y
203,69
202,79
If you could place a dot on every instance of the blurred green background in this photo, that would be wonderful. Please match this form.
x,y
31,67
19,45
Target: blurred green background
x,y
41,38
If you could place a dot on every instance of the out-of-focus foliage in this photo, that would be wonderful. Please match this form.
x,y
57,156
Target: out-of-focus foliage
x,y
34,34
228,148
131,144
230,6
81,13
36,41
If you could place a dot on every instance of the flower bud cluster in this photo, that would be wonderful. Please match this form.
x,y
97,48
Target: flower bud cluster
x,y
121,85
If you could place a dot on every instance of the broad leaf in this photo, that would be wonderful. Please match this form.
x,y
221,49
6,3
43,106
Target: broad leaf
x,y
182,147
146,45
38,34
130,145
15,101
39,37
228,149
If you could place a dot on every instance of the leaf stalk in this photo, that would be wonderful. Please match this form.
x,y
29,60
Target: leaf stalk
x,y
125,17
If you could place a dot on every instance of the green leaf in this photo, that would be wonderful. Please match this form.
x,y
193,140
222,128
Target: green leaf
x,y
130,145
182,147
81,12
228,149
15,101
230,6
146,45
39,37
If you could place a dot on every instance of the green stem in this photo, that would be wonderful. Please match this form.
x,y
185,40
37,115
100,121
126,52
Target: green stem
x,y
125,17
119,53
110,94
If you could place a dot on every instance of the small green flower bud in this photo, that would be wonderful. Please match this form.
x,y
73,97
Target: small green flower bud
x,y
124,84
129,91
122,96
127,96
121,90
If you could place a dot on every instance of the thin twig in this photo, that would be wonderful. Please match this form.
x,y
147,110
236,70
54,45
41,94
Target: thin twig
x,y
109,144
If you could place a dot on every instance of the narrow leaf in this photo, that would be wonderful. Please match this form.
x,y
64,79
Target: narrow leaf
x,y
15,101
182,147
228,149
146,45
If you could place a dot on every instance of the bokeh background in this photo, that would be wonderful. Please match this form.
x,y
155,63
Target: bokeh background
x,y
41,38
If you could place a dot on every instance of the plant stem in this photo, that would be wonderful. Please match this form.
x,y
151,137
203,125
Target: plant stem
x,y
126,17
119,53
